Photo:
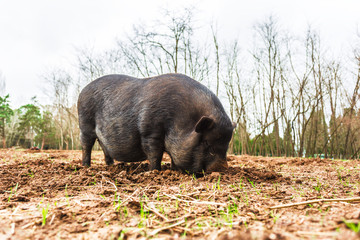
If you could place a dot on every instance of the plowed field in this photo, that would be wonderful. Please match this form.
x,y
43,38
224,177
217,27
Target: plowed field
x,y
49,195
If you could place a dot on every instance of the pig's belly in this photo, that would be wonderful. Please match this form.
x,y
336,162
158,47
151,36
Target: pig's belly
x,y
124,147
130,156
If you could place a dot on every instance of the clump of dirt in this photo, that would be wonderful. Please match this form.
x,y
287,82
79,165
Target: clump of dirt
x,y
48,194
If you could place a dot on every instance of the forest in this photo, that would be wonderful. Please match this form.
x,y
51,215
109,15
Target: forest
x,y
289,95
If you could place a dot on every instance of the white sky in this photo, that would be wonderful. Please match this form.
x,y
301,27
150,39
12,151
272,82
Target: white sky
x,y
41,34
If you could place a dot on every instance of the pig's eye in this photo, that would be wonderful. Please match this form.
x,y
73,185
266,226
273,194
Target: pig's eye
x,y
211,151
210,148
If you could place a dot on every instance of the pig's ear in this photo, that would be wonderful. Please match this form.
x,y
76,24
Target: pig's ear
x,y
205,123
234,125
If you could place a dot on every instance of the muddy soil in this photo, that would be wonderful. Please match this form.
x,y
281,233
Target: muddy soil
x,y
49,195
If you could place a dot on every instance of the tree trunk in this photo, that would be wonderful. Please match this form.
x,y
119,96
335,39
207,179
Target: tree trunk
x,y
43,142
3,134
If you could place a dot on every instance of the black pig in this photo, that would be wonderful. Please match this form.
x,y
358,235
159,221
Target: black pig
x,y
138,119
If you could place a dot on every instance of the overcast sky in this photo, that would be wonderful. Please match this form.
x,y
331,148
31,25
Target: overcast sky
x,y
37,35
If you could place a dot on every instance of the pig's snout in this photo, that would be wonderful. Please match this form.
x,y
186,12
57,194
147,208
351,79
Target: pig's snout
x,y
218,166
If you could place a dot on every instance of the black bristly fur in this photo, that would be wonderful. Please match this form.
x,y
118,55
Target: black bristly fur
x,y
136,119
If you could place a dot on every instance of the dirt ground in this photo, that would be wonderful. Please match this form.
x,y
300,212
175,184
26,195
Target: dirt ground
x,y
49,195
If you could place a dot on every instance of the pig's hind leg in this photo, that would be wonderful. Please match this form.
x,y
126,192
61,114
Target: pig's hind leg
x,y
87,142
108,160
154,149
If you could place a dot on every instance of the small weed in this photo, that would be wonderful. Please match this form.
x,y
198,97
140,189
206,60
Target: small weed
x,y
233,208
254,186
200,225
67,196
184,233
161,209
13,191
246,225
353,226
346,183
274,216
342,167
143,213
318,186
181,186
30,173
194,177
125,211
158,196
117,202
44,215
122,234
218,183
228,217
42,200
241,185
177,204
94,182
246,199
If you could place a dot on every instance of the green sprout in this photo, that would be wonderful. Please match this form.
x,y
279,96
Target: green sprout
x,y
31,173
67,196
254,186
44,215
143,212
218,183
353,226
274,216
13,191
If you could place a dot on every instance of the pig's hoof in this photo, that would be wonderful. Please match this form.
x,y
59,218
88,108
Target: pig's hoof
x,y
86,164
109,162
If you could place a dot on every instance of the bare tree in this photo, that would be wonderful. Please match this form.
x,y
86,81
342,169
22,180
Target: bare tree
x,y
217,59
93,65
2,84
269,69
333,87
235,87
165,47
351,110
317,119
64,111
304,99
